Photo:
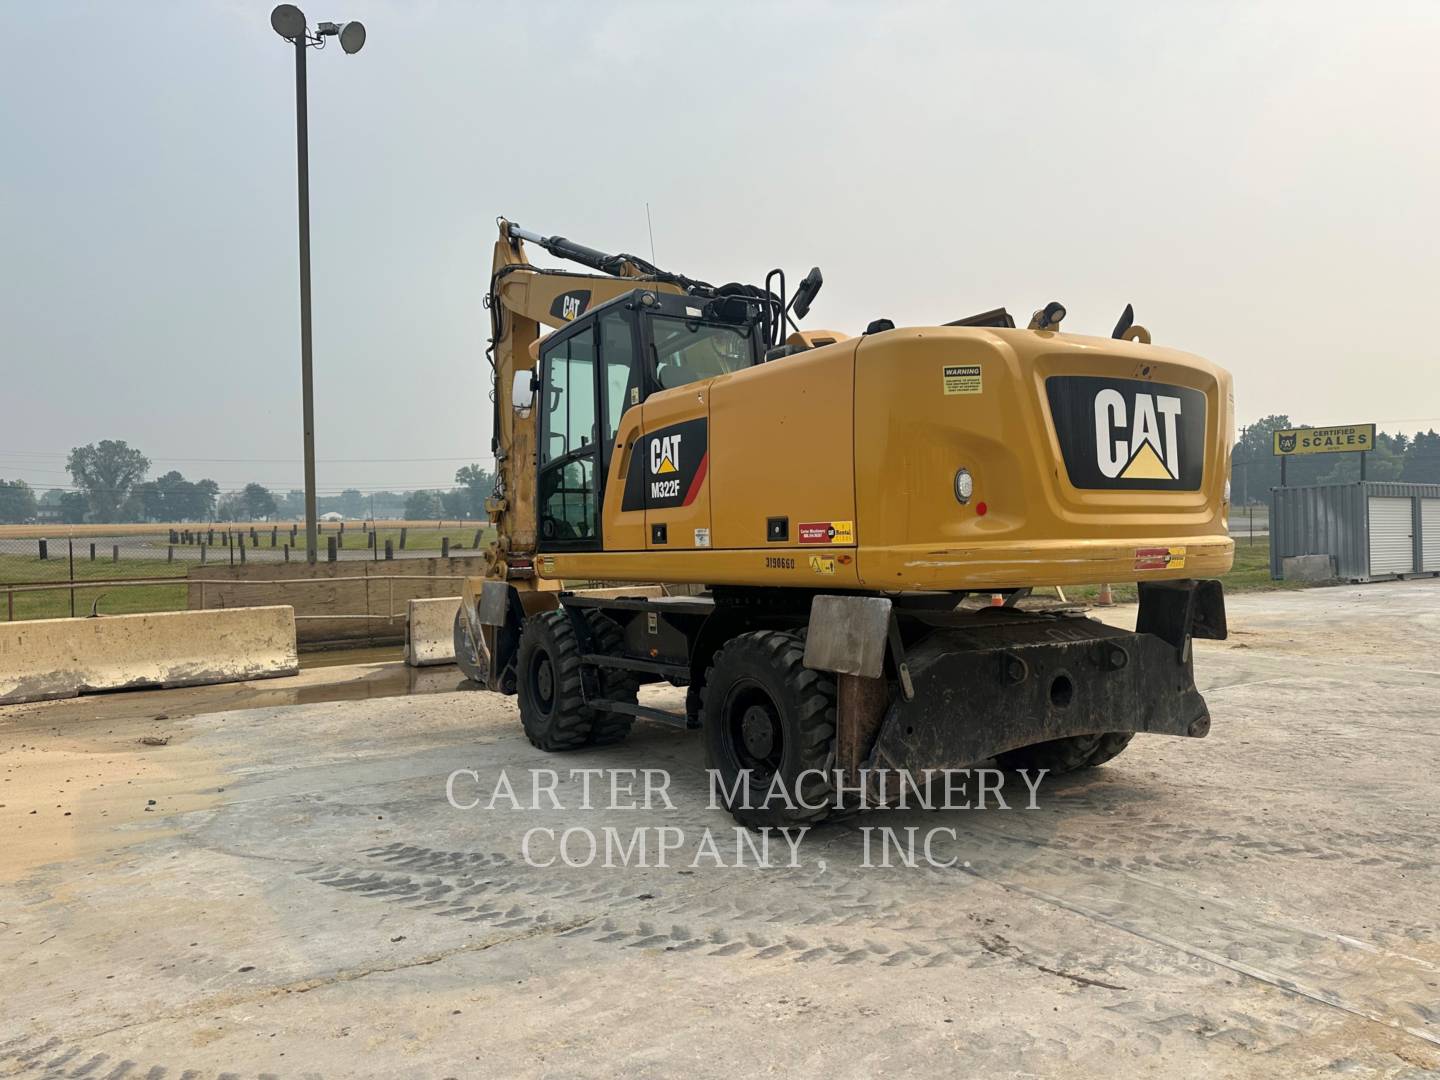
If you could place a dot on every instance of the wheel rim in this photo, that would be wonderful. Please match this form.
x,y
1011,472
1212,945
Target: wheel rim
x,y
754,732
542,683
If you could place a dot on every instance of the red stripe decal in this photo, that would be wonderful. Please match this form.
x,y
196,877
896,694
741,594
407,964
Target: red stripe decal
x,y
700,472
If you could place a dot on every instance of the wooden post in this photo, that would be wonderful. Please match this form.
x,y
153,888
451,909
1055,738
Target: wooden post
x,y
92,552
170,553
340,536
210,539
403,530
44,549
202,553
444,547
476,542
287,552
390,549
330,549
242,551
274,534
174,536
115,553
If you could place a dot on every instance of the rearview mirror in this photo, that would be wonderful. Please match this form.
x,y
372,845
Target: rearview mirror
x,y
522,391
806,293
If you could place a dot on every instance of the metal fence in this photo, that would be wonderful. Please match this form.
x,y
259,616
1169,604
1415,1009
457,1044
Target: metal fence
x,y
71,575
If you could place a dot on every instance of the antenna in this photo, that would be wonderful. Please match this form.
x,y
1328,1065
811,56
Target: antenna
x,y
651,227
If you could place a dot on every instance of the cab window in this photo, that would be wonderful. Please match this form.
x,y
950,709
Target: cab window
x,y
687,350
620,378
570,396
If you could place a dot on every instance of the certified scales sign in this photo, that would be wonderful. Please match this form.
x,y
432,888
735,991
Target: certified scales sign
x,y
1355,438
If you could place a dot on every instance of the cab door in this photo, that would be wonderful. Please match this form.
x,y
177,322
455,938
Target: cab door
x,y
568,488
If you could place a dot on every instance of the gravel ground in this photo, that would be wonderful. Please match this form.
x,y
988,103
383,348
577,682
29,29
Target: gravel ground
x,y
301,900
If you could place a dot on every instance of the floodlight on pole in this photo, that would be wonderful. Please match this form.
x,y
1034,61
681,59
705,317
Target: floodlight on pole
x,y
288,21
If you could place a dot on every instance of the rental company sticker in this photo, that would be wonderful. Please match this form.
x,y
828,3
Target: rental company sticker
x,y
1160,558
826,532
962,378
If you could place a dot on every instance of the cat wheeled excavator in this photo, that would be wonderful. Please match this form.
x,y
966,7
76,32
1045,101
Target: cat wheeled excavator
x,y
788,523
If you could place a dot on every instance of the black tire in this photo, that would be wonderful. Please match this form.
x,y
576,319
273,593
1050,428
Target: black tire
x,y
766,712
552,702
1068,754
608,727
473,663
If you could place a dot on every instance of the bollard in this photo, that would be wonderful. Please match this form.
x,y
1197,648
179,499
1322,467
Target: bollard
x,y
330,555
287,552
390,548
44,549
403,530
445,547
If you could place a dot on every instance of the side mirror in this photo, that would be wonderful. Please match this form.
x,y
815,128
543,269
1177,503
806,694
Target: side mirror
x,y
806,293
522,391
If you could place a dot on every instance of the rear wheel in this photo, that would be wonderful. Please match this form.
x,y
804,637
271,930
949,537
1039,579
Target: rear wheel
x,y
1068,754
770,728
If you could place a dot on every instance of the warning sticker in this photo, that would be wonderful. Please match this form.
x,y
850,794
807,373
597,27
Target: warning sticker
x,y
702,537
547,565
962,379
826,532
822,564
1160,558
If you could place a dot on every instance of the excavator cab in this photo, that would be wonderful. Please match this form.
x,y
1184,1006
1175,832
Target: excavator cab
x,y
607,362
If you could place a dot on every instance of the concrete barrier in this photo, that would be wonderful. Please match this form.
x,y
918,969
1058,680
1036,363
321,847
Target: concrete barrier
x,y
58,658
430,631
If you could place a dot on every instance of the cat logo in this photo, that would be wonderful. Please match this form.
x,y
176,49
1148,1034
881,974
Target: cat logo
x,y
571,305
1287,442
665,454
1128,434
1143,446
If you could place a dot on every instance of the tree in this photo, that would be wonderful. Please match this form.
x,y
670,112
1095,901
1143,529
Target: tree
x,y
478,484
74,507
455,503
352,503
105,472
1422,459
257,501
423,506
17,502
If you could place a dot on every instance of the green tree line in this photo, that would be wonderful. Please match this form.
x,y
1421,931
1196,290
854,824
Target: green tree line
x,y
110,486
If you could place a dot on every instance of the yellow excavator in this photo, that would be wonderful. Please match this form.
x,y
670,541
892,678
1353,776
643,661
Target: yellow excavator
x,y
793,524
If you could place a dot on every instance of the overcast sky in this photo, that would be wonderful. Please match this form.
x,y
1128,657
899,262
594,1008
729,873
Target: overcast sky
x,y
1259,180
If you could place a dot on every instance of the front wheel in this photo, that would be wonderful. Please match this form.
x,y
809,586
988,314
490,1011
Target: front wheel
x,y
769,730
552,699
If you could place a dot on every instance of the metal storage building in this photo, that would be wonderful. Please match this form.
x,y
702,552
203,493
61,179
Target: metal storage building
x,y
1371,529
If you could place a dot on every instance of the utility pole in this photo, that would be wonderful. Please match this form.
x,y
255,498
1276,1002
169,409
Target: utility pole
x,y
289,22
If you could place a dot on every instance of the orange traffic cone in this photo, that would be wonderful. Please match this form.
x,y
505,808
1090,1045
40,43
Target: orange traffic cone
x,y
996,600
1106,597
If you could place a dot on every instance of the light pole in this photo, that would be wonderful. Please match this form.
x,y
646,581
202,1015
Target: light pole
x,y
289,22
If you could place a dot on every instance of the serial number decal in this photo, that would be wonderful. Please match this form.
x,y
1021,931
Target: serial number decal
x,y
779,562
